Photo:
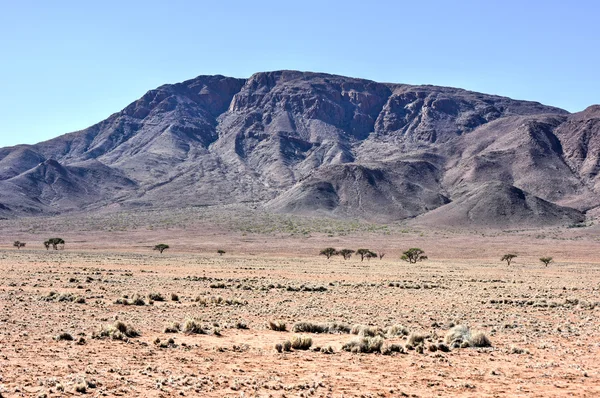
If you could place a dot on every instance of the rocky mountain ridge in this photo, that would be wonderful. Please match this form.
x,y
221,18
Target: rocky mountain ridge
x,y
319,144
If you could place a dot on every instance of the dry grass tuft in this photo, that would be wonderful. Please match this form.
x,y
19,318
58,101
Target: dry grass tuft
x,y
117,331
415,339
308,327
397,330
278,326
192,326
301,342
173,327
366,331
365,344
64,336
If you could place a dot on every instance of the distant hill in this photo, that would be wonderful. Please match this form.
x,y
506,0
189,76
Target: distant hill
x,y
319,144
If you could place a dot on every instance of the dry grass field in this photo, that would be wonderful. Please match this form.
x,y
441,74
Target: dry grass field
x,y
107,316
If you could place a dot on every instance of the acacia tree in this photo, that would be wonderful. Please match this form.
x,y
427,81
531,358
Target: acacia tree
x,y
508,258
18,244
55,242
363,253
413,255
221,252
381,254
161,247
371,255
328,252
346,253
546,260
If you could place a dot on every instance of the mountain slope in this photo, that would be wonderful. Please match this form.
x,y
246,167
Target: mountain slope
x,y
316,144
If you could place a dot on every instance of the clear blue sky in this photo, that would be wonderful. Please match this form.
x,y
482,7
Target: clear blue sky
x,y
66,65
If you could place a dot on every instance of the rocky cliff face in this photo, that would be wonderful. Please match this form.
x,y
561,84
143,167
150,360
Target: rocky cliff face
x,y
314,143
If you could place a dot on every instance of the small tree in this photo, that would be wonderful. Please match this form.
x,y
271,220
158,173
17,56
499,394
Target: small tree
x,y
328,252
508,258
546,260
346,253
161,247
221,252
370,255
55,243
381,254
363,253
413,255
18,244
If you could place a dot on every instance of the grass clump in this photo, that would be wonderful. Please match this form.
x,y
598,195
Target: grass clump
x,y
64,336
415,339
308,327
173,327
192,326
397,330
301,342
156,297
365,344
135,300
117,331
278,326
366,331
460,336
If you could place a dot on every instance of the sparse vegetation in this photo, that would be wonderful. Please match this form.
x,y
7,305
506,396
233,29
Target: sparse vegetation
x,y
508,258
413,255
221,252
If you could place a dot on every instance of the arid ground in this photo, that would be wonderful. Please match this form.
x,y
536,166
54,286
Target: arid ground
x,y
542,322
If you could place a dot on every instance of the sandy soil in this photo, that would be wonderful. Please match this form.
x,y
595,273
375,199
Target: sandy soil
x,y
542,321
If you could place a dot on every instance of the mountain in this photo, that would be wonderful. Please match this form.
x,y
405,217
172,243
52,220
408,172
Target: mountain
x,y
319,144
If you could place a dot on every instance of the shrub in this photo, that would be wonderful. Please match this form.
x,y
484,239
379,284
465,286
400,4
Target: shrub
x,y
174,297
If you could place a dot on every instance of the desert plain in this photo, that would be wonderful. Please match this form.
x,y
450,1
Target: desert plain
x,y
542,322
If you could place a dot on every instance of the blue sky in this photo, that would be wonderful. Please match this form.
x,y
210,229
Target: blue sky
x,y
66,65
